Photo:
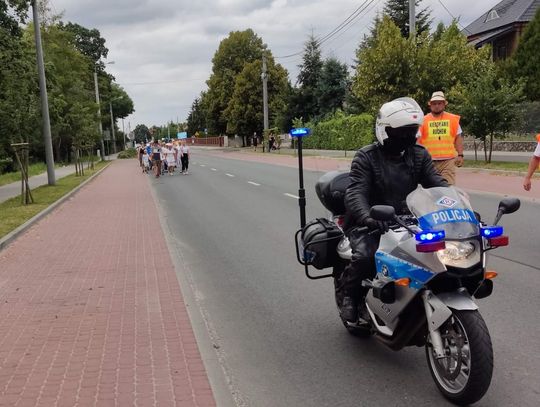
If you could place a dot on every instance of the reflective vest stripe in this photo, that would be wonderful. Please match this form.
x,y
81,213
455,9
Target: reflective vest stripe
x,y
438,135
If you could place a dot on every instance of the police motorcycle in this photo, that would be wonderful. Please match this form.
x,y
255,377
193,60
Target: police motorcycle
x,y
431,266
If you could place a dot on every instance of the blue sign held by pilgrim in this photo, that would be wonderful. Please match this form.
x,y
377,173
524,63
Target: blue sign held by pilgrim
x,y
181,135
300,132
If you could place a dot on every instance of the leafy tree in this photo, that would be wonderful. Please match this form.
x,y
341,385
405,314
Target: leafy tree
x,y
398,11
527,58
141,133
308,80
489,105
88,41
392,66
332,86
235,51
244,112
196,121
12,14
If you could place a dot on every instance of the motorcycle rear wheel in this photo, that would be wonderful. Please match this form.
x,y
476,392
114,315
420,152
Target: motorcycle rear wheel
x,y
464,375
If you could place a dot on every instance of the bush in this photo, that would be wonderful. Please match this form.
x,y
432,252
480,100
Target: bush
x,y
129,153
341,132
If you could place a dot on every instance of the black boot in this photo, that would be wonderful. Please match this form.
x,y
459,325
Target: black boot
x,y
349,309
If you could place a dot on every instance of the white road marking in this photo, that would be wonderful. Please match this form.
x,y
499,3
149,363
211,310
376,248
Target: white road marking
x,y
202,165
213,169
230,175
292,196
253,183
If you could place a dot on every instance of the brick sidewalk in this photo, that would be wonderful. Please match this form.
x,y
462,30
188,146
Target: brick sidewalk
x,y
91,313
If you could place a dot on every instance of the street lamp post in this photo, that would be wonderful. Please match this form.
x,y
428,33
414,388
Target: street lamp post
x,y
96,85
112,123
47,139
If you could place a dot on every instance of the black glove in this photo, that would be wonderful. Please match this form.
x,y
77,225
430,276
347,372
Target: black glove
x,y
377,225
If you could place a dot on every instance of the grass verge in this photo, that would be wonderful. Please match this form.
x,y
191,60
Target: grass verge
x,y
496,165
33,169
14,213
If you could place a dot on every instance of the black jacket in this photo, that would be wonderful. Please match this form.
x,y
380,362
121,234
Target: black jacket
x,y
380,179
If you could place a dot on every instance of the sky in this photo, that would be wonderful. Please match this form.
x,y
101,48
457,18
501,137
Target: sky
x,y
162,49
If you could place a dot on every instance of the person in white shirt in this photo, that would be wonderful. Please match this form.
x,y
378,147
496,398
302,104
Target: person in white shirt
x,y
184,156
171,161
533,165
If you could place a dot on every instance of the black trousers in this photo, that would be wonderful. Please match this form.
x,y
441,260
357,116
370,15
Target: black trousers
x,y
362,266
185,162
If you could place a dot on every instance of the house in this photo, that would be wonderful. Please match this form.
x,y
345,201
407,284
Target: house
x,y
502,26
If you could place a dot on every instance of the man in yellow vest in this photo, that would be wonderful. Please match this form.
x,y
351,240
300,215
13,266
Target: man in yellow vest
x,y
533,165
440,134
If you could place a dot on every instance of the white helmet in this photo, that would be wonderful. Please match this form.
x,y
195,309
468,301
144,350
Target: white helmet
x,y
402,112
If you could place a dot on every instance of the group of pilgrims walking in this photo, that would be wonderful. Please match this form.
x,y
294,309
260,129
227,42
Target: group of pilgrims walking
x,y
162,158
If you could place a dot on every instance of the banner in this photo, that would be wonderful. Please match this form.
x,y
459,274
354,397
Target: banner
x,y
181,135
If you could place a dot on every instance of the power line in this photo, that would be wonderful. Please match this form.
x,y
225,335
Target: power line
x,y
451,15
354,15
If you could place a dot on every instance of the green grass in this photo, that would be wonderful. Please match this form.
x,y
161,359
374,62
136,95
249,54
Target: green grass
x,y
33,169
14,213
496,165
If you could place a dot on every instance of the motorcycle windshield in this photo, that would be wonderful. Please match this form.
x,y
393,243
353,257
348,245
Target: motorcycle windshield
x,y
444,208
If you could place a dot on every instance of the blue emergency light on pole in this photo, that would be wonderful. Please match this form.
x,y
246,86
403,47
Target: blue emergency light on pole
x,y
300,133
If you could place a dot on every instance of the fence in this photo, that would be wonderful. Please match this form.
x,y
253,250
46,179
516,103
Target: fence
x,y
206,141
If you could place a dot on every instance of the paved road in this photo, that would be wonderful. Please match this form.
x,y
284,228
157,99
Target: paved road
x,y
277,333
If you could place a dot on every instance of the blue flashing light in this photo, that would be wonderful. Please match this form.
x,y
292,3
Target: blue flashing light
x,y
428,236
300,132
491,231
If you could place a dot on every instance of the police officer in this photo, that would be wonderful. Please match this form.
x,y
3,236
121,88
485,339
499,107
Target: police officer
x,y
383,173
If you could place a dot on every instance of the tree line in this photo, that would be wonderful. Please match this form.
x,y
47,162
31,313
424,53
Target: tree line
x,y
493,97
72,54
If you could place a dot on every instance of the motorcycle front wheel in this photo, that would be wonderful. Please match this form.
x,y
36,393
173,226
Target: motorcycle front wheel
x,y
463,376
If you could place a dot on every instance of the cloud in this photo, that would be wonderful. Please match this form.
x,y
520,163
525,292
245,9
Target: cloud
x,y
163,48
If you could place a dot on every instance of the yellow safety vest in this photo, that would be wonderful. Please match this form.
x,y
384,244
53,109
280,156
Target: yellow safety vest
x,y
438,135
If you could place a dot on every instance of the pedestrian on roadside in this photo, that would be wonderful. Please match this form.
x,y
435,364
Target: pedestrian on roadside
x,y
140,151
441,135
146,162
171,160
533,165
184,152
156,158
254,140
271,142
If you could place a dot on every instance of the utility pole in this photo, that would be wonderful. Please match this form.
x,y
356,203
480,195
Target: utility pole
x,y
412,19
47,139
124,133
112,129
264,77
96,85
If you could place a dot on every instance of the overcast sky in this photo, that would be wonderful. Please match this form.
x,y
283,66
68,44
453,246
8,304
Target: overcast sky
x,y
163,48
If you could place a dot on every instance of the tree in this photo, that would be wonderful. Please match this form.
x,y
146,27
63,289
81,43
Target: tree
x,y
244,112
142,133
12,14
488,105
235,51
392,66
308,80
527,58
88,41
398,11
332,86
196,121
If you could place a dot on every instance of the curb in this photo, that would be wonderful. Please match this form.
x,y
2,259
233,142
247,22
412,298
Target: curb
x,y
11,236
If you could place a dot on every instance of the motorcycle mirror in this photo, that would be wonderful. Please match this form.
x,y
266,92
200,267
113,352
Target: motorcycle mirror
x,y
506,206
509,205
382,212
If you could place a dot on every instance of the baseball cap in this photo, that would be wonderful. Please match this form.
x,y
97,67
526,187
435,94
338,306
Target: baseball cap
x,y
437,96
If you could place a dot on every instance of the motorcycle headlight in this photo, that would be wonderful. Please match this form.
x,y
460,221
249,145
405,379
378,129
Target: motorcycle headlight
x,y
459,254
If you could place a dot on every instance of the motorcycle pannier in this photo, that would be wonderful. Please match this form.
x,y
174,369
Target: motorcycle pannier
x,y
320,238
